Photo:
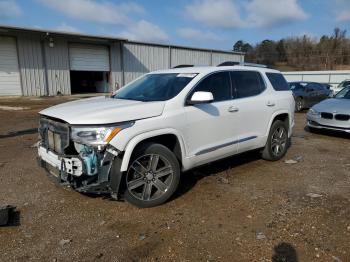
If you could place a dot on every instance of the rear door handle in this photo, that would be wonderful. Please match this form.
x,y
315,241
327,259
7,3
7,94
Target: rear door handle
x,y
233,109
270,103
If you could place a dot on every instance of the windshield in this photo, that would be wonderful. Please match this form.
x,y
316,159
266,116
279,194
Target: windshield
x,y
344,93
155,87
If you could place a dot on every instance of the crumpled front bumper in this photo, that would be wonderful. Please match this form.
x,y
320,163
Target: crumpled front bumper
x,y
70,165
70,170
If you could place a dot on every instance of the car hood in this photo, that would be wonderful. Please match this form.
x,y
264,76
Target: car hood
x,y
103,110
334,105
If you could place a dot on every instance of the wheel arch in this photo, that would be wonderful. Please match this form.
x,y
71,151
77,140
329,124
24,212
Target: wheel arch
x,y
284,116
167,137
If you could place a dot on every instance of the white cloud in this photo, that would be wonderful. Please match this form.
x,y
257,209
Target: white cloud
x,y
215,13
252,13
342,10
196,35
67,28
109,13
265,13
145,31
343,16
9,9
95,11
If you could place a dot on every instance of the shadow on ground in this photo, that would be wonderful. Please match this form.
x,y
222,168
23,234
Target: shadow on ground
x,y
284,252
29,131
330,133
191,178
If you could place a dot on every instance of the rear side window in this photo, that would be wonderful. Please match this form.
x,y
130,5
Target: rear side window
x,y
278,81
318,87
218,84
296,87
247,83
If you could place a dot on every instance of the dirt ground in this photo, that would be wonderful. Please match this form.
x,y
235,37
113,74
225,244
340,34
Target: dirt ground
x,y
238,209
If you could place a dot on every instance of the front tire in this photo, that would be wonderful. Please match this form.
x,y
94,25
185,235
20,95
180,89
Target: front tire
x,y
277,142
152,177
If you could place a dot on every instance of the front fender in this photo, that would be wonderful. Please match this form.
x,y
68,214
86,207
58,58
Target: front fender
x,y
141,137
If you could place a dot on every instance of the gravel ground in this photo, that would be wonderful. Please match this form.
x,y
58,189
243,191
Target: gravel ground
x,y
238,209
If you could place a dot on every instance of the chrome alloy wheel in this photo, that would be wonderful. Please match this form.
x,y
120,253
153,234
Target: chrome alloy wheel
x,y
149,177
279,141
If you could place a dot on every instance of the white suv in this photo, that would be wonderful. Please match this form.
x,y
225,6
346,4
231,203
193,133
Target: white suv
x,y
136,143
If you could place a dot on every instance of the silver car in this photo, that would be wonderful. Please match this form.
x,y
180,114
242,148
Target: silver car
x,y
332,114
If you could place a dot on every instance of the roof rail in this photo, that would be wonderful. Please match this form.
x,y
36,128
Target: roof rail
x,y
229,63
254,65
183,66
233,63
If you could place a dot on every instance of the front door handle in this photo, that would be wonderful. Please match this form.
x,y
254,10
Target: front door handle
x,y
270,103
233,109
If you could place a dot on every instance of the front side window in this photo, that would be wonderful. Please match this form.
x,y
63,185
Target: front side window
x,y
218,84
312,87
247,83
320,87
155,87
278,81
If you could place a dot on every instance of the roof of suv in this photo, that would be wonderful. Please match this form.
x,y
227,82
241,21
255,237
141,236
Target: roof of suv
x,y
210,69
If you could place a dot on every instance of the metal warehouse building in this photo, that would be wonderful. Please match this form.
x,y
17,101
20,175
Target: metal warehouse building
x,y
37,62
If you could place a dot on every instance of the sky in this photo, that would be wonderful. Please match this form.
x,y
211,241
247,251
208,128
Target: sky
x,y
216,24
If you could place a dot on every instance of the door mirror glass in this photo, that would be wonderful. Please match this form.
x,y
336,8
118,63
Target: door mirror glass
x,y
201,97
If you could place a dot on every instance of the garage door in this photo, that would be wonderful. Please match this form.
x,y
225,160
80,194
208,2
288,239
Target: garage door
x,y
10,83
89,57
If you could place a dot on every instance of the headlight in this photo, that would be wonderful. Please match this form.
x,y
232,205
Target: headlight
x,y
96,136
314,112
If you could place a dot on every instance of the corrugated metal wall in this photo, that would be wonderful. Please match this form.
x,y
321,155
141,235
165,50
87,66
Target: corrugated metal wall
x,y
10,82
139,59
57,65
116,76
219,58
31,65
45,70
181,56
88,57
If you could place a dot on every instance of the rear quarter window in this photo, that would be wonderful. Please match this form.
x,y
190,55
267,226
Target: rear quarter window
x,y
278,81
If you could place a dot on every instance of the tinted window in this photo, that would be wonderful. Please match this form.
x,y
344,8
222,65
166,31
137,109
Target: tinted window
x,y
218,84
296,87
344,93
278,81
247,83
345,83
320,87
315,87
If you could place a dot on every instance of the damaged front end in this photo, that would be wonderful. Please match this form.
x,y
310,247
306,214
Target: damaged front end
x,y
81,157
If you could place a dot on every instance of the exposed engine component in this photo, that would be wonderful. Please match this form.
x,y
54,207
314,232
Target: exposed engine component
x,y
89,157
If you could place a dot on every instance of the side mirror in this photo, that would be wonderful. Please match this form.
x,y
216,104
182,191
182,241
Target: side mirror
x,y
200,97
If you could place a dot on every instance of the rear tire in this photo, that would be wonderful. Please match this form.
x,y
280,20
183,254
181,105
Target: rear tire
x,y
152,177
299,104
277,142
